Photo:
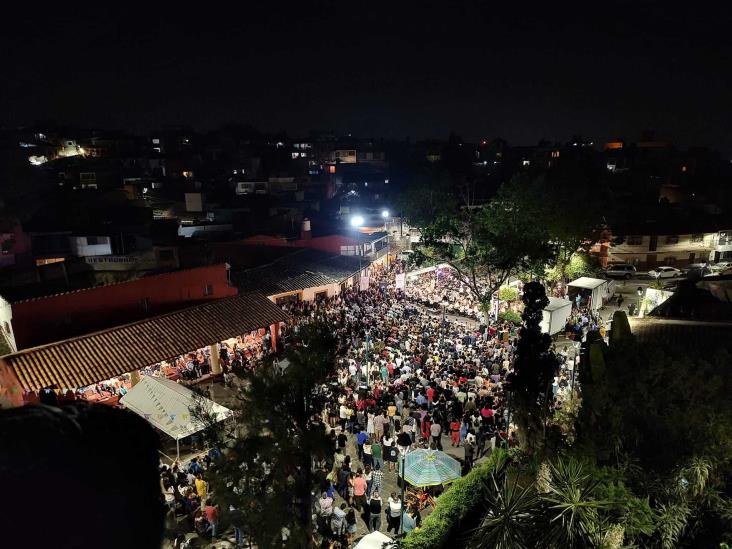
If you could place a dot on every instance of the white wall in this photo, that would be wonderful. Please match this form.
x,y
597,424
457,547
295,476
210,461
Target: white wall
x,y
80,247
308,294
6,323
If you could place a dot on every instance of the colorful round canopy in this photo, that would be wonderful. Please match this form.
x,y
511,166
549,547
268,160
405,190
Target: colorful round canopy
x,y
430,468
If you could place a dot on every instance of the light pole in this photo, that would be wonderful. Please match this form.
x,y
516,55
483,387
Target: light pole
x,y
356,222
385,215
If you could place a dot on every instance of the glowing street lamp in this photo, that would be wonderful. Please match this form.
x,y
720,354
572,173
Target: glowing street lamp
x,y
385,214
356,221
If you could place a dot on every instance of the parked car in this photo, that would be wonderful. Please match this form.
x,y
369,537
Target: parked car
x,y
620,270
665,272
696,270
718,268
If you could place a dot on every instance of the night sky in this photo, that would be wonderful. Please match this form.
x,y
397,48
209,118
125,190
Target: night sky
x,y
420,70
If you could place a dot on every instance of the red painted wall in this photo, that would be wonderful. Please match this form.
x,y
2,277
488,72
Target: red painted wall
x,y
330,243
56,317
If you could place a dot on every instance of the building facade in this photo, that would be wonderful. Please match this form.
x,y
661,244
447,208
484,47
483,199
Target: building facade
x,y
647,251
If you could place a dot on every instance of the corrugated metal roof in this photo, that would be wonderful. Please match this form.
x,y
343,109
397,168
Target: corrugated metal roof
x,y
297,271
88,359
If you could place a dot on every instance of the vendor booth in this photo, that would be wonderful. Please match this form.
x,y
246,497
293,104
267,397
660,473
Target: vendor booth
x,y
555,315
588,292
167,406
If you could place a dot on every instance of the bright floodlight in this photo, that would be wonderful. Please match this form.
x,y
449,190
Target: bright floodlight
x,y
385,213
356,221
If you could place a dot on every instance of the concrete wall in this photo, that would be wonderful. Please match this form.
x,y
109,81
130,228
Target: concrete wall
x,y
60,316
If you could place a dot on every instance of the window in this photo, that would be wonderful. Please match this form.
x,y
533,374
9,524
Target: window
x,y
672,239
6,327
145,303
92,240
698,237
635,240
208,289
669,261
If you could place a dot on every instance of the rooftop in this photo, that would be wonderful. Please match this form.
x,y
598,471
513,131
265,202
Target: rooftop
x,y
304,268
587,282
696,337
88,359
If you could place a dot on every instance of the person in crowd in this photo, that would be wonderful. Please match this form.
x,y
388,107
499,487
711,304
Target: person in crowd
x,y
211,512
374,508
360,487
394,512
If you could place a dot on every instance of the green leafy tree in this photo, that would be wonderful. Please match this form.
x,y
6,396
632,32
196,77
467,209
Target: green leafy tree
x,y
507,293
486,244
265,474
664,416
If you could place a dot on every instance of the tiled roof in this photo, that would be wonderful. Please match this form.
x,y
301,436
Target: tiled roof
x,y
696,337
299,270
88,359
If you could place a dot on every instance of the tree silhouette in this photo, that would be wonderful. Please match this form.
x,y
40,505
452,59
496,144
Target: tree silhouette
x,y
534,370
263,480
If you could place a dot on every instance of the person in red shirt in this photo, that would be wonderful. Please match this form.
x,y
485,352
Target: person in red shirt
x,y
426,424
430,395
212,516
455,432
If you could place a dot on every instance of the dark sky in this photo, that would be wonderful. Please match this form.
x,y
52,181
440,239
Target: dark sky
x,y
527,71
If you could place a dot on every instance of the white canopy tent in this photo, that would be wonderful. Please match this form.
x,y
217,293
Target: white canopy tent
x,y
374,540
167,404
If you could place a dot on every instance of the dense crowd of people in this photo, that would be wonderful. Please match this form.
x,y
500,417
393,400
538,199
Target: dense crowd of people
x,y
408,379
441,288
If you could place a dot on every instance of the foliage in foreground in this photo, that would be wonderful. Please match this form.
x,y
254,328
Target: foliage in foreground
x,y
460,499
265,474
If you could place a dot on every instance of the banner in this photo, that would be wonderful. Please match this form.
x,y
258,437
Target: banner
x,y
401,281
364,283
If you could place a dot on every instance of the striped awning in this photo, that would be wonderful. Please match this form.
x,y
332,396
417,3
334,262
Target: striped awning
x,y
429,468
95,357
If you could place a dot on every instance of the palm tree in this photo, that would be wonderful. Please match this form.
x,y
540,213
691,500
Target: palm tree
x,y
572,510
510,519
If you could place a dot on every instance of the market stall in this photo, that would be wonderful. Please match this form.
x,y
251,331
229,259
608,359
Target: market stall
x,y
167,406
